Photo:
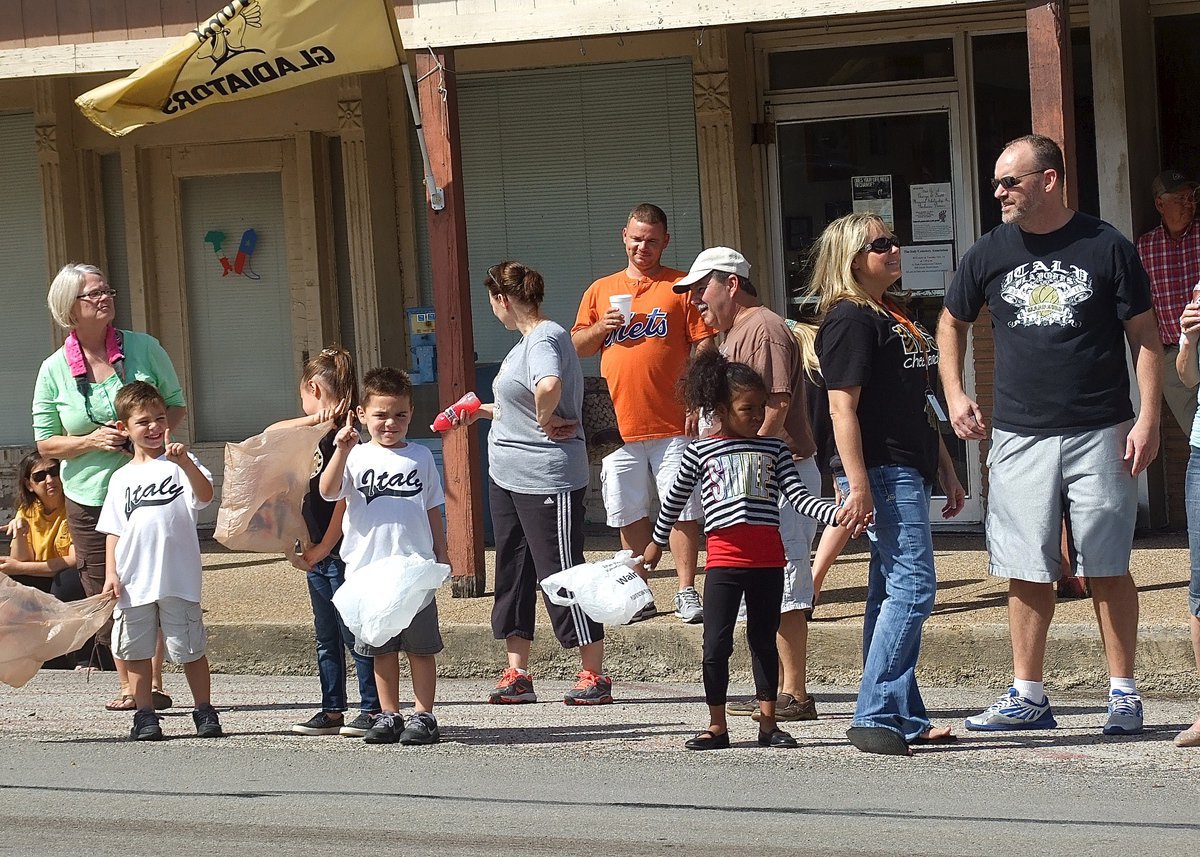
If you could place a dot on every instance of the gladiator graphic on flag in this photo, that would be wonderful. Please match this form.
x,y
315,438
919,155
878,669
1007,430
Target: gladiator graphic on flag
x,y
224,36
1046,294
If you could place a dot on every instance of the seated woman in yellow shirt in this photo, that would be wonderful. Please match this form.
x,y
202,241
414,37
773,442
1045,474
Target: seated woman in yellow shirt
x,y
42,553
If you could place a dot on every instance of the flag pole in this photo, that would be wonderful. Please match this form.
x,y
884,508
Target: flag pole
x,y
437,197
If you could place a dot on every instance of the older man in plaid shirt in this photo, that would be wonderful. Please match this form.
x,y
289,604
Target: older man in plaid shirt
x,y
1171,255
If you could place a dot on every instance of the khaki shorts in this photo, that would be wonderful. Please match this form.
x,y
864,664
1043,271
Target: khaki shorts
x,y
135,631
1037,480
798,532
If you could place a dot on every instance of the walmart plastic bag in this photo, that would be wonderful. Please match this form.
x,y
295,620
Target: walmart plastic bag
x,y
266,478
609,591
379,600
36,627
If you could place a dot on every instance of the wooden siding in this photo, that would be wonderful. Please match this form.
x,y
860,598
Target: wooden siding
x,y
42,23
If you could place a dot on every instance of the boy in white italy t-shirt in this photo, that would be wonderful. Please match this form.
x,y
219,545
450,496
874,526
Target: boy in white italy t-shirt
x,y
153,563
394,505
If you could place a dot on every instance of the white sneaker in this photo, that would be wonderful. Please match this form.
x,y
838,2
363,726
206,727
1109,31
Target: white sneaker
x,y
1013,711
1124,713
688,607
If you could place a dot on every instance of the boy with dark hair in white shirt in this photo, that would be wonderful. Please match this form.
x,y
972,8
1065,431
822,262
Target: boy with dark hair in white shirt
x,y
154,565
394,505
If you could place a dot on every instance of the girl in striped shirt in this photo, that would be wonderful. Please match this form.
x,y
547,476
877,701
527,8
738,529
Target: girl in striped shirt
x,y
740,476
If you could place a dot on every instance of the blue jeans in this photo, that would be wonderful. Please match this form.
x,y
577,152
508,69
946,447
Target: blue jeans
x,y
1191,490
901,585
333,639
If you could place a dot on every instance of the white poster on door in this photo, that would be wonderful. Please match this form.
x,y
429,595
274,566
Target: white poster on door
x,y
932,212
926,268
873,194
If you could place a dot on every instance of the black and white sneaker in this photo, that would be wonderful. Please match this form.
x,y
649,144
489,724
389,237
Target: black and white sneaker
x,y
421,728
208,725
321,723
145,726
384,729
359,726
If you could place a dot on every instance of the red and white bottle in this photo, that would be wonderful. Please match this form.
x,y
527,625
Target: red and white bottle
x,y
465,406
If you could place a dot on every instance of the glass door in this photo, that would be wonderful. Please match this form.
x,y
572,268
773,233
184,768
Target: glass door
x,y
895,157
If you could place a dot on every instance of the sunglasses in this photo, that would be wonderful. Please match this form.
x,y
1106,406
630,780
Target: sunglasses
x,y
1010,182
97,295
39,476
881,245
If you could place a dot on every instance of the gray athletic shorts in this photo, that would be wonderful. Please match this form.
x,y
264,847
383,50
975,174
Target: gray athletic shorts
x,y
135,631
1033,479
422,637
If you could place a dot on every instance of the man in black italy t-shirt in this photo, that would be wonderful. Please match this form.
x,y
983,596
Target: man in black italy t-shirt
x,y
1065,292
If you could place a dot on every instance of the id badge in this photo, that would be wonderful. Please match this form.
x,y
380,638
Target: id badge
x,y
934,408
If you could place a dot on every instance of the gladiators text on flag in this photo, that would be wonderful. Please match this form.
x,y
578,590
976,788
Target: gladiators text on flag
x,y
247,49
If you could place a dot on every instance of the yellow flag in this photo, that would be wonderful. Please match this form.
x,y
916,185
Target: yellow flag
x,y
247,49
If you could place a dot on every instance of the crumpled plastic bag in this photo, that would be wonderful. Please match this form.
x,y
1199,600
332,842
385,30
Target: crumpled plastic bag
x,y
381,599
266,478
36,627
609,591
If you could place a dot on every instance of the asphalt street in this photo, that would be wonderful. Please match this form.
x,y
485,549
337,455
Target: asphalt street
x,y
549,779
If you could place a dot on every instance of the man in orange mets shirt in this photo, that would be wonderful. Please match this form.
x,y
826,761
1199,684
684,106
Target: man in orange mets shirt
x,y
642,357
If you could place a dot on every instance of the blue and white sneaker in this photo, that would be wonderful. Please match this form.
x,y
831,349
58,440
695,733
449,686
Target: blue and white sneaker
x,y
1013,711
1124,713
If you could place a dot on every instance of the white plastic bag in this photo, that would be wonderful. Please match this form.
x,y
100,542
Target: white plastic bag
x,y
379,600
609,591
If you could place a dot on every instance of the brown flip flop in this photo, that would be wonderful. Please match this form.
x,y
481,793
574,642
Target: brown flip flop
x,y
125,703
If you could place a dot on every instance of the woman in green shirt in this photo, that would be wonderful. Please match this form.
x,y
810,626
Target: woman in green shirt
x,y
73,416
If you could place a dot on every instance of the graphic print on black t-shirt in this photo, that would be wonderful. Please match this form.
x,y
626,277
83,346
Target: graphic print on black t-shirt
x,y
155,494
373,485
917,354
862,347
1059,302
1046,293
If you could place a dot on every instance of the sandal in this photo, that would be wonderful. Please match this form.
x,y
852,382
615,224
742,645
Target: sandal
x,y
877,739
125,703
160,700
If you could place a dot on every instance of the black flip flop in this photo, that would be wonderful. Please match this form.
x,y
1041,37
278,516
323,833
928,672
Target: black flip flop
x,y
876,739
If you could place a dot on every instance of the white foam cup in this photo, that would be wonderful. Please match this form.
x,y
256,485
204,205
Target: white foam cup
x,y
624,303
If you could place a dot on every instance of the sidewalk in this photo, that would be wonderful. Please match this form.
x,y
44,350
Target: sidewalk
x,y
260,621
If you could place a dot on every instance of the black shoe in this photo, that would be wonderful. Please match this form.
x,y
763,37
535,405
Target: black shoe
x,y
708,741
208,725
145,726
383,729
776,738
359,726
321,723
421,728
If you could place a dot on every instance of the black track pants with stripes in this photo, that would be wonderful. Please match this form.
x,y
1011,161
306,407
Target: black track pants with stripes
x,y
536,536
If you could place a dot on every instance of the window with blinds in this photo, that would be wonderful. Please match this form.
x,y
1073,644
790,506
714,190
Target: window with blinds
x,y
23,278
553,161
239,324
116,251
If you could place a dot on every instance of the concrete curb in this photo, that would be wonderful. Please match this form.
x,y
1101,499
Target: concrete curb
x,y
951,655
